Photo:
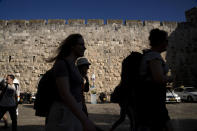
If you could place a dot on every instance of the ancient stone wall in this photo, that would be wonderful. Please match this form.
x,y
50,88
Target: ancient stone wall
x,y
182,52
24,46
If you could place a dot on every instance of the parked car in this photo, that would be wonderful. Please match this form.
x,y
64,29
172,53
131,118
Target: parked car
x,y
26,98
187,93
172,97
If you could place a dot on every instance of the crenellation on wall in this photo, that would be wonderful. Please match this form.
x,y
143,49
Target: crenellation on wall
x,y
56,21
17,22
134,23
170,24
191,15
36,22
76,22
111,21
95,22
3,22
154,24
89,22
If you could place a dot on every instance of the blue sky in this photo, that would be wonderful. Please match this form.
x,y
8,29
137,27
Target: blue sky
x,y
160,10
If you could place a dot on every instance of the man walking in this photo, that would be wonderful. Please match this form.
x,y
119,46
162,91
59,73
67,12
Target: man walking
x,y
8,101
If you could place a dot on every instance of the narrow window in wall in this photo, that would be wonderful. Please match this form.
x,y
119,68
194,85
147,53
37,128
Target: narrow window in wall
x,y
34,58
10,58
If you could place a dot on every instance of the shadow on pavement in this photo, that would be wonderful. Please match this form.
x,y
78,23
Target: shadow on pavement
x,y
105,121
26,128
31,128
185,124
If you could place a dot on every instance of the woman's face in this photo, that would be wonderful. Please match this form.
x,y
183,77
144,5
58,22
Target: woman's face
x,y
79,48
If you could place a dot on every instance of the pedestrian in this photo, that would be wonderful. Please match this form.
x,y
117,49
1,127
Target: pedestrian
x,y
123,96
8,101
83,66
5,121
66,113
150,109
5,118
17,86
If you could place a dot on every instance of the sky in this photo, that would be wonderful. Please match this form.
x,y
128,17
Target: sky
x,y
159,10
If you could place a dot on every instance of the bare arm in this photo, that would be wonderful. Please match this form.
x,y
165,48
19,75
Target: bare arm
x,y
63,88
157,72
86,86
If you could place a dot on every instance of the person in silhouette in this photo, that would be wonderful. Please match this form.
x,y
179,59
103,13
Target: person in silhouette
x,y
124,89
150,109
8,101
66,114
83,66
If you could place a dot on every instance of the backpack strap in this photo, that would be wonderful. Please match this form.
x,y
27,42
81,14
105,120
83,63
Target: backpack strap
x,y
16,85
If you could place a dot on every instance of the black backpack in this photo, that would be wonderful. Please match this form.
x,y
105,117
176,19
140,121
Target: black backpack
x,y
116,95
16,85
129,78
46,94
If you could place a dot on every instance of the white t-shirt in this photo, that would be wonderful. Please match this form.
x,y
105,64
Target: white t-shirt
x,y
16,82
8,99
148,56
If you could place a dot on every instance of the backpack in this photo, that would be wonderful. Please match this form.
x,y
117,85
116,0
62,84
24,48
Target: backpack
x,y
16,85
116,95
129,78
46,94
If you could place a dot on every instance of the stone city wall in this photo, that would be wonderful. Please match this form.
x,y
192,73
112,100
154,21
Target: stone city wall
x,y
182,52
24,46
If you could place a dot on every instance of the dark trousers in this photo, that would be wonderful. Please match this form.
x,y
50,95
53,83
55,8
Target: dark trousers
x,y
124,111
13,116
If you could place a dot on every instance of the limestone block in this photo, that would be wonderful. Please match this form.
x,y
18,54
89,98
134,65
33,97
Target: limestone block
x,y
76,21
169,24
36,22
155,24
3,22
119,22
134,23
16,22
57,21
95,22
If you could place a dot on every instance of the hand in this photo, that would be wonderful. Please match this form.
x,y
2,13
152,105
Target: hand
x,y
86,78
3,83
88,126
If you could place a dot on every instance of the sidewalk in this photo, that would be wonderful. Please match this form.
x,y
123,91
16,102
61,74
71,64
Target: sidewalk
x,y
184,117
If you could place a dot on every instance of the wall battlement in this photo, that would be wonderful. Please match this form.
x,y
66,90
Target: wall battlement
x,y
25,44
82,22
191,15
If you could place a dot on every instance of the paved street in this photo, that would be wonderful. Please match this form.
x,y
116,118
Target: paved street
x,y
184,117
